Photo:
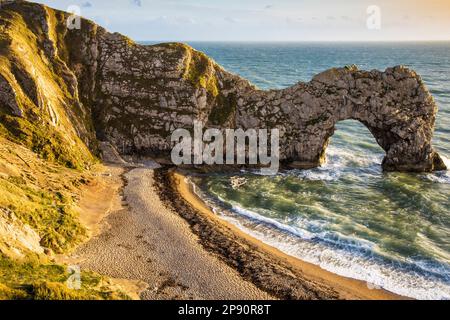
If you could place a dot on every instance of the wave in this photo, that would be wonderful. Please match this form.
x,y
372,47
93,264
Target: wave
x,y
340,164
441,176
354,160
446,161
347,257
303,234
339,254
325,236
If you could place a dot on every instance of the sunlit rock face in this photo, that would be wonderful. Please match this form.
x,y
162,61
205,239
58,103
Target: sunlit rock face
x,y
134,96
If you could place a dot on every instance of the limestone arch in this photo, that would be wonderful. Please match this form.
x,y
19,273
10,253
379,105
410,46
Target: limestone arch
x,y
394,105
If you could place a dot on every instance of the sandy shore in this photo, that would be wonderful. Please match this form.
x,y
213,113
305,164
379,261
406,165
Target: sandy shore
x,y
283,275
143,241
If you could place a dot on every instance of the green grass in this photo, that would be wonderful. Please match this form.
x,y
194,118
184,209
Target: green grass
x,y
48,144
200,71
43,195
49,213
32,279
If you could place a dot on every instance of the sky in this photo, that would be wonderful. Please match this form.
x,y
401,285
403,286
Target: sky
x,y
268,20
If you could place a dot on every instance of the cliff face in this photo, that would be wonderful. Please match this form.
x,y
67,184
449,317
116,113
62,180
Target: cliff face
x,y
39,103
75,84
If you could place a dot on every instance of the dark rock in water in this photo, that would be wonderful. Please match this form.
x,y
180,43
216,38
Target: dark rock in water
x,y
90,83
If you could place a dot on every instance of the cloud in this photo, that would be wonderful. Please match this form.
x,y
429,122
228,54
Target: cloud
x,y
86,5
184,20
173,21
137,3
230,20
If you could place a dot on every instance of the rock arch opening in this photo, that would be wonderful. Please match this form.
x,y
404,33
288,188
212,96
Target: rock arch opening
x,y
353,145
400,147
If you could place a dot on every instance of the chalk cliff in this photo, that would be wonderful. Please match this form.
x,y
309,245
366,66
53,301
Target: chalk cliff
x,y
61,90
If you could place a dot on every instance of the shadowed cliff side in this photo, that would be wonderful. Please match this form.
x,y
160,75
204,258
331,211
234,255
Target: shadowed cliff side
x,y
70,81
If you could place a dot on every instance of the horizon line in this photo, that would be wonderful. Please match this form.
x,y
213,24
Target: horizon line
x,y
296,41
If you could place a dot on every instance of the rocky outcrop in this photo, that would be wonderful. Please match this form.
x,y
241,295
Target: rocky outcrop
x,y
17,238
134,96
394,105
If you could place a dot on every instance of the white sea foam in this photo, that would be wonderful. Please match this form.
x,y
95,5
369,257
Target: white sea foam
x,y
344,255
303,234
339,164
441,176
344,261
354,160
320,175
446,161
341,255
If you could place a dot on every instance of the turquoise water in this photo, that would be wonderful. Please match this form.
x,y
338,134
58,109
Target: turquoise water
x,y
389,229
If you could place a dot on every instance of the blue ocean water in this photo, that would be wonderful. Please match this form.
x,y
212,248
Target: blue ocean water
x,y
391,230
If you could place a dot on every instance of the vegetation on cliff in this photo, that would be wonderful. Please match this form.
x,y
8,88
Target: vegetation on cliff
x,y
42,195
47,146
43,111
200,70
35,279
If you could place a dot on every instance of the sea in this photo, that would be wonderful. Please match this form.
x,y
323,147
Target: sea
x,y
391,230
